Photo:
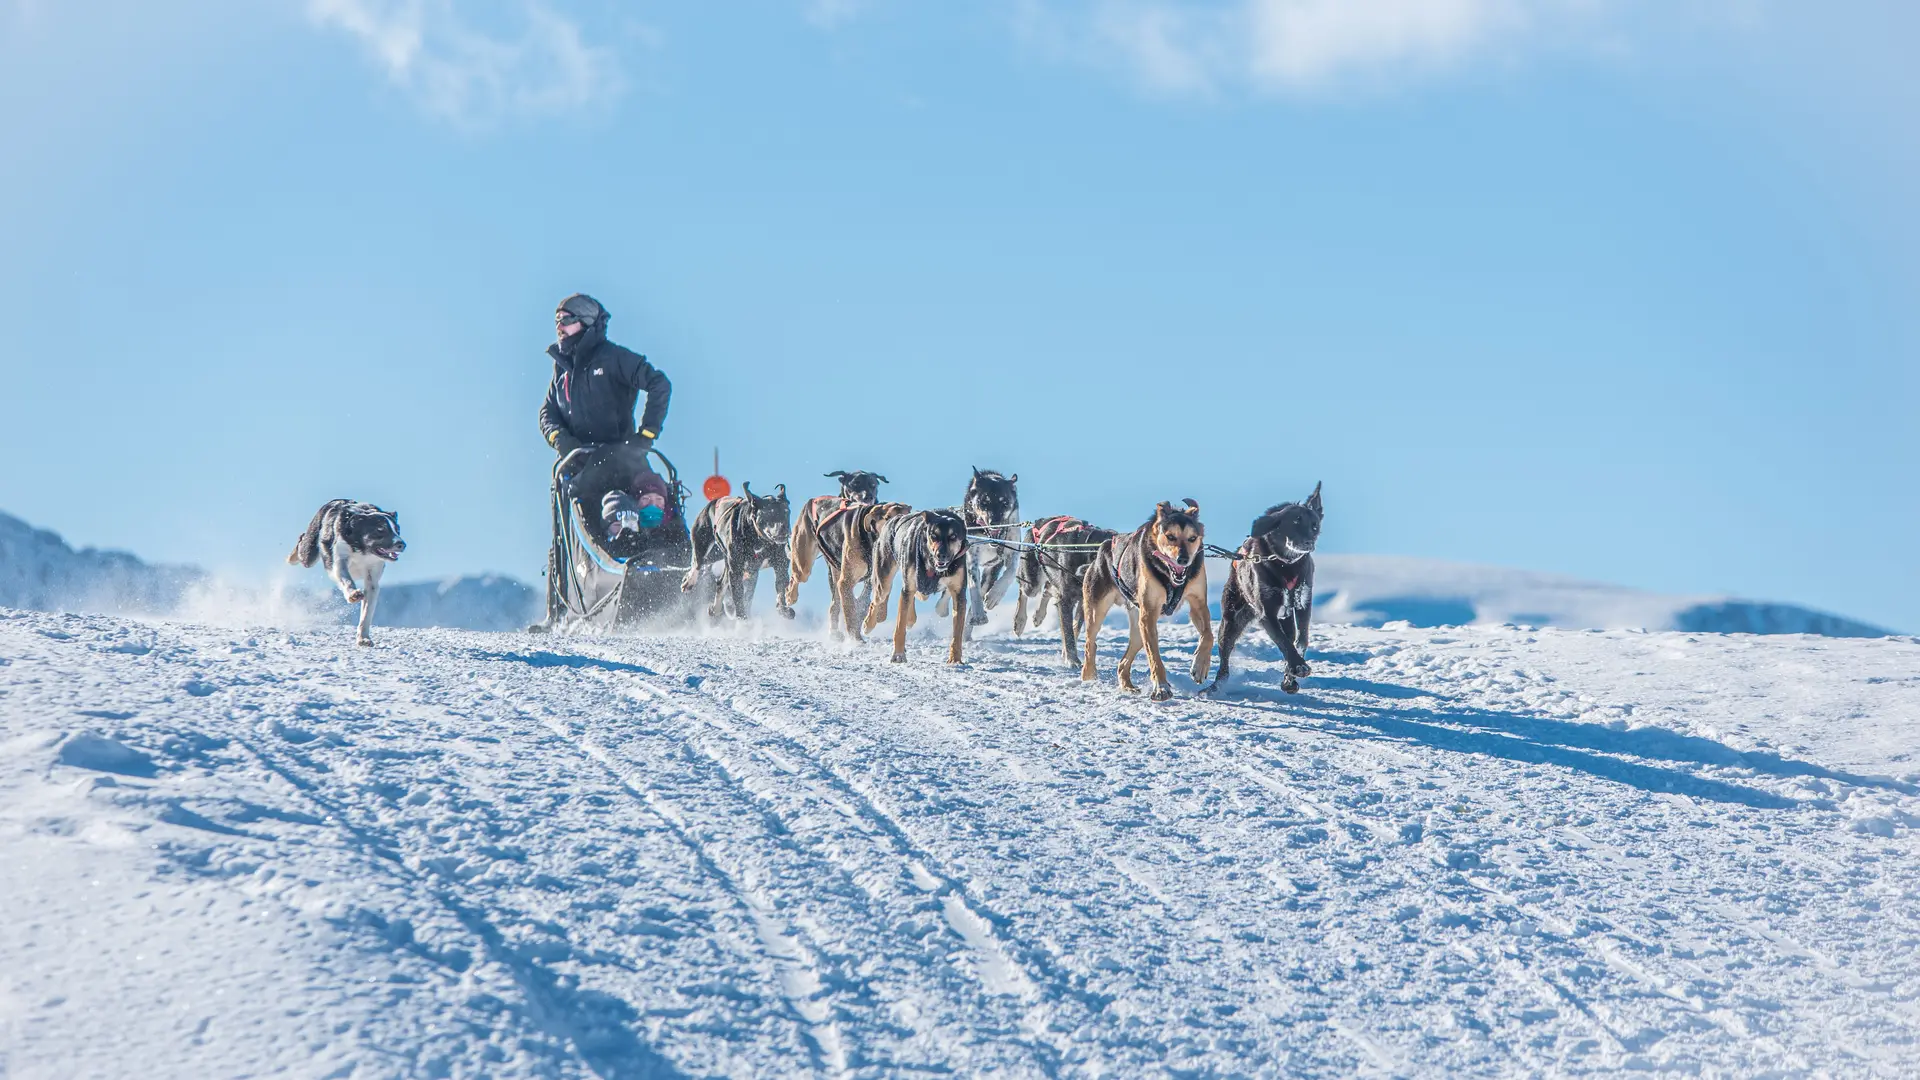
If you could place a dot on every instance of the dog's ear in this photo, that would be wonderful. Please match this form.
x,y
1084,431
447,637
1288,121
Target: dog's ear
x,y
779,491
1313,500
1192,507
1014,479
747,486
836,472
882,479
1161,510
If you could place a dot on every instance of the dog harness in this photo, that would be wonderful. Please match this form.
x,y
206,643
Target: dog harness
x,y
1290,571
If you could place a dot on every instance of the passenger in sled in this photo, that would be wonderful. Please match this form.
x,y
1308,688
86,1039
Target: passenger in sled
x,y
614,517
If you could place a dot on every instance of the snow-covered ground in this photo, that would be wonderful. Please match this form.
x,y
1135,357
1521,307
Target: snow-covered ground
x,y
1474,851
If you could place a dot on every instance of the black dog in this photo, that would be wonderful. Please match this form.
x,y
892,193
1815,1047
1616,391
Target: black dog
x,y
991,509
738,537
1273,578
929,549
352,538
859,486
1054,568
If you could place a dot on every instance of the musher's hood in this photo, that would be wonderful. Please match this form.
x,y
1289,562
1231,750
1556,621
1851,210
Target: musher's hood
x,y
590,310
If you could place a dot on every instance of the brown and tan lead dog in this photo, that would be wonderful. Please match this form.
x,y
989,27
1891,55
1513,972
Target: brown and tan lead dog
x,y
1152,569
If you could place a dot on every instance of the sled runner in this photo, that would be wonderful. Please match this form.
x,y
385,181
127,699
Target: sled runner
x,y
597,582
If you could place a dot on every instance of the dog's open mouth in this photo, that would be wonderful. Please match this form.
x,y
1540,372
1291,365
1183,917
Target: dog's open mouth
x,y
387,553
1175,570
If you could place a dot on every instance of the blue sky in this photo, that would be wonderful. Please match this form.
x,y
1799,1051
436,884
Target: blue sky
x,y
1617,289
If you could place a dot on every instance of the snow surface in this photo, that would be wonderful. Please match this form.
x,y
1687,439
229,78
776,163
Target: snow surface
x,y
1464,852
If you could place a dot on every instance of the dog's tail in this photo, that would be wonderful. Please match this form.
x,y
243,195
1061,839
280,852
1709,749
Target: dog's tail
x,y
701,534
306,551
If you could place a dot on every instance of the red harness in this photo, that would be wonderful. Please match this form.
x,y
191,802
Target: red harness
x,y
1048,529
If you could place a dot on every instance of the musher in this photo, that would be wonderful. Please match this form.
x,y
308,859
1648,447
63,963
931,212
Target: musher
x,y
588,419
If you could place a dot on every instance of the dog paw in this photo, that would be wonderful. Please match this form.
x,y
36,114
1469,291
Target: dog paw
x,y
1300,669
1129,688
786,612
899,658
366,642
355,596
977,620
1290,684
1161,692
1208,690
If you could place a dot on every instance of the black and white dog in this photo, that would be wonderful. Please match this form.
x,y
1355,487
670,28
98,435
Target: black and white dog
x,y
1272,578
992,511
929,548
736,537
352,539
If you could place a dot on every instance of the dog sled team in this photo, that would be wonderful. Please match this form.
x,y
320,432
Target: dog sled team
x,y
622,548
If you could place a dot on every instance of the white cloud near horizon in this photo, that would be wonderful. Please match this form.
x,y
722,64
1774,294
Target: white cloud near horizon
x,y
473,77
1302,47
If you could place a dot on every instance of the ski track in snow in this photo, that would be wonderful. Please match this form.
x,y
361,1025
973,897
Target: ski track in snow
x,y
1478,851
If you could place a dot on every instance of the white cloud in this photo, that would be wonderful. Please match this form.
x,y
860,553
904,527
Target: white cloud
x,y
833,12
1296,46
1313,42
471,76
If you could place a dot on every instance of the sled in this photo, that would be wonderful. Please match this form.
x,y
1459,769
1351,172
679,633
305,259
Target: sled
x,y
591,587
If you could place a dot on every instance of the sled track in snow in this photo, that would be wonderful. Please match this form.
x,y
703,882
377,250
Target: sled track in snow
x,y
799,963
823,832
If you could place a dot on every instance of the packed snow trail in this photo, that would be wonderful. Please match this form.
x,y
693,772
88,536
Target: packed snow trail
x,y
1457,852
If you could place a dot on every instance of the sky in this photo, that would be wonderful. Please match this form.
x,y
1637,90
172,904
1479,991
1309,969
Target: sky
x,y
1618,289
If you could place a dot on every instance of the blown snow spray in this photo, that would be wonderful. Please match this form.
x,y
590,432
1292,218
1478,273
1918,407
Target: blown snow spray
x,y
716,487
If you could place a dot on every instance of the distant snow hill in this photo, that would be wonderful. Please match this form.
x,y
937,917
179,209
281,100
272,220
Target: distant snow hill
x,y
1372,590
39,571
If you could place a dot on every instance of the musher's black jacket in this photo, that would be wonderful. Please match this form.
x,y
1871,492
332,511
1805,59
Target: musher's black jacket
x,y
593,393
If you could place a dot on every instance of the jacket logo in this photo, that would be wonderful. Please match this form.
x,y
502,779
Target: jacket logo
x,y
599,371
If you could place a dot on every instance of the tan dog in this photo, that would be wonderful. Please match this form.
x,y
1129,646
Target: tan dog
x,y
856,489
1152,569
805,546
847,538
